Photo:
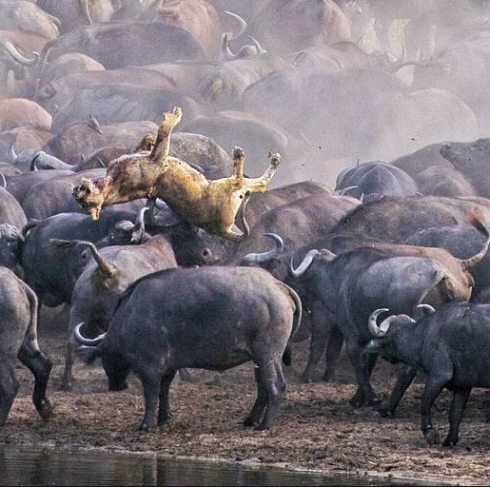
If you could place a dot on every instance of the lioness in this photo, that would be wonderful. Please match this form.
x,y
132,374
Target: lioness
x,y
211,205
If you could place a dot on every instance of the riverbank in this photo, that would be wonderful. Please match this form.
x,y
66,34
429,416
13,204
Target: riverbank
x,y
316,429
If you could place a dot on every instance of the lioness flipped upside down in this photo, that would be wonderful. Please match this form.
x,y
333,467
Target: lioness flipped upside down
x,y
211,205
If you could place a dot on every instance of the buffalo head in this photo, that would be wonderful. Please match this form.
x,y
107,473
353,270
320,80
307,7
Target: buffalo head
x,y
390,334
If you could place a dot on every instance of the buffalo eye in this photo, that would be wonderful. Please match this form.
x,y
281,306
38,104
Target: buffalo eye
x,y
206,253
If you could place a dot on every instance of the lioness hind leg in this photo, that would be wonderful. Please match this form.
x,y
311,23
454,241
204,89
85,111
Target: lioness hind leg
x,y
162,145
170,120
259,185
232,231
238,163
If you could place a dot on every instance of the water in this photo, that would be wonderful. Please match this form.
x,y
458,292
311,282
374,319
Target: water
x,y
49,467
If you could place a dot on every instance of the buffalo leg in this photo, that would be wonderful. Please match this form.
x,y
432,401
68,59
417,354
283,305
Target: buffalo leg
x,y
320,330
363,366
67,379
9,386
260,405
403,381
460,398
273,379
334,347
164,415
151,389
433,388
41,367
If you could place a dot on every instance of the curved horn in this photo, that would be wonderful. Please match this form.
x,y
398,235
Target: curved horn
x,y
242,25
374,329
257,44
100,161
107,269
86,11
17,56
139,226
426,307
95,124
33,162
160,204
4,180
329,254
225,48
87,341
304,265
342,191
262,258
13,154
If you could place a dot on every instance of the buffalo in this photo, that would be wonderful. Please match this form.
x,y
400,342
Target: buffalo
x,y
209,318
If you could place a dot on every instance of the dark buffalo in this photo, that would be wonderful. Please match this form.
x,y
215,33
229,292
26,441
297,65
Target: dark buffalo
x,y
97,291
74,13
444,181
119,102
449,346
53,196
350,286
291,25
114,45
86,137
376,179
298,223
462,242
244,314
19,186
430,156
18,339
395,220
471,159
52,269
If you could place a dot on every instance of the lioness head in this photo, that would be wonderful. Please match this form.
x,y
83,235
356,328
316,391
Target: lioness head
x,y
147,143
89,195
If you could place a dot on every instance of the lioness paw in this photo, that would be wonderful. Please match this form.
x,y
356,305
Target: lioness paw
x,y
238,153
275,160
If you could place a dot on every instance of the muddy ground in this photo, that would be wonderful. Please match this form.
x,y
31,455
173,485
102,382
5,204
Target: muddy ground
x,y
316,429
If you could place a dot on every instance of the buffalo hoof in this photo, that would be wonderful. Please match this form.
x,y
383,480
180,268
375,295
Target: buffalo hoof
x,y
249,423
65,386
164,420
385,412
263,427
143,428
307,379
329,378
45,411
450,442
432,437
118,387
357,402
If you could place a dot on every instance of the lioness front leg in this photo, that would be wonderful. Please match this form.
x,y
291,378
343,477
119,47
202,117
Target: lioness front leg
x,y
162,145
259,185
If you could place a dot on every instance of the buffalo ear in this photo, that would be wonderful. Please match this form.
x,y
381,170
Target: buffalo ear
x,y
62,244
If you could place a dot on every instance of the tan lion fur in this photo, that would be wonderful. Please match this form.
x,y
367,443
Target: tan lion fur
x,y
211,205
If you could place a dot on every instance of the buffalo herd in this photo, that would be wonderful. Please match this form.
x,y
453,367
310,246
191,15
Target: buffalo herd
x,y
368,227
